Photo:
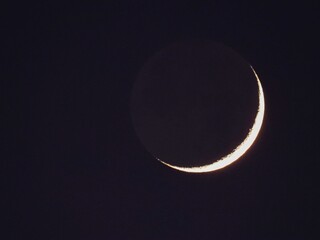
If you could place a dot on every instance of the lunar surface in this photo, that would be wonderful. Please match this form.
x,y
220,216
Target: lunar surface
x,y
197,106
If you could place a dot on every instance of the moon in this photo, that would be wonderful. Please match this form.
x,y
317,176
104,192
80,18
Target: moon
x,y
197,107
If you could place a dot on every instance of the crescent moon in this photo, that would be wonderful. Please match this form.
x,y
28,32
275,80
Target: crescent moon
x,y
241,149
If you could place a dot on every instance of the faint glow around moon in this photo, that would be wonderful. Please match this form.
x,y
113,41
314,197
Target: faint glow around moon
x,y
240,149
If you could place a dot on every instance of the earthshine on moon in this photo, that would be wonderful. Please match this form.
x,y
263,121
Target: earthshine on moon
x,y
193,94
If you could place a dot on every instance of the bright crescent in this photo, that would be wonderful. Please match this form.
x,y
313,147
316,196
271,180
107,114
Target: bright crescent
x,y
240,149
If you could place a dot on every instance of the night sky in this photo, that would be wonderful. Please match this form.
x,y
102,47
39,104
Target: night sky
x,y
72,166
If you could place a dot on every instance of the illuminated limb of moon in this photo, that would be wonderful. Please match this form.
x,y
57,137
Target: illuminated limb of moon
x,y
240,149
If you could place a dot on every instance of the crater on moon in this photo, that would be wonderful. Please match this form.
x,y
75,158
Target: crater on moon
x,y
194,102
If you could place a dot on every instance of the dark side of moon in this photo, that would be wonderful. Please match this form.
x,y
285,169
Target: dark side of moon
x,y
194,102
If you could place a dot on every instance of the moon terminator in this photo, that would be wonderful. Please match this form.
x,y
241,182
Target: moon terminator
x,y
240,150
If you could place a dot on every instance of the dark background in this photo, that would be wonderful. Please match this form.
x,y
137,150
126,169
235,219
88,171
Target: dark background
x,y
72,166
